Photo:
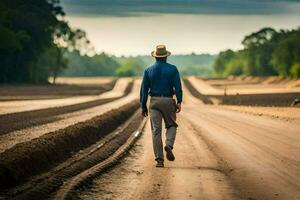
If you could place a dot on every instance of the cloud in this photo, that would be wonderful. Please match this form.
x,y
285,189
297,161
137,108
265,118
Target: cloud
x,y
138,7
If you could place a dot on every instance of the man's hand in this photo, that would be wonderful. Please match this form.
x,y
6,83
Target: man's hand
x,y
178,107
144,112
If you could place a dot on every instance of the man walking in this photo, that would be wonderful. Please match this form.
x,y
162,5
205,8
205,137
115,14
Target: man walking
x,y
161,81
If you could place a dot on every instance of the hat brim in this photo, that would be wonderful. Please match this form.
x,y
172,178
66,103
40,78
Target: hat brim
x,y
153,54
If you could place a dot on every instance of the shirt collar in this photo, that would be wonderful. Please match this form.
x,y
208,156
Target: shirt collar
x,y
161,61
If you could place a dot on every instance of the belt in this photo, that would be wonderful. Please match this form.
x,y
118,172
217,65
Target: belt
x,y
161,95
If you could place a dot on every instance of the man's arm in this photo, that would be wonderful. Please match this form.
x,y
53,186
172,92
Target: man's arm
x,y
144,94
178,90
177,86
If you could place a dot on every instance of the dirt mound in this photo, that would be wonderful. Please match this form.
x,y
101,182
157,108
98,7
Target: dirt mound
x,y
294,83
285,99
195,92
251,90
273,80
30,158
78,165
30,92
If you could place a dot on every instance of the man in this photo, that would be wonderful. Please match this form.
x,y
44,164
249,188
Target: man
x,y
161,81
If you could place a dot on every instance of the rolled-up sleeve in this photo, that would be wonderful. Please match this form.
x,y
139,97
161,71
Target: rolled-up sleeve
x,y
144,91
177,87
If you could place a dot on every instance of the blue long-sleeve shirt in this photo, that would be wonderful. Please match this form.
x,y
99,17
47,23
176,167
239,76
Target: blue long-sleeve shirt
x,y
161,78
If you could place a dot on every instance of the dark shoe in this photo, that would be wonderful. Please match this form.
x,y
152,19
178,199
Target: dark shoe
x,y
160,163
170,155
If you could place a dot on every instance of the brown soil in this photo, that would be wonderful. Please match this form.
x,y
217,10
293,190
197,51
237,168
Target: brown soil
x,y
30,158
220,154
195,174
39,187
280,99
20,120
285,99
291,114
262,152
83,80
29,92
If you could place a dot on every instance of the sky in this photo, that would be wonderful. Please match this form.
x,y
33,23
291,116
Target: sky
x,y
134,27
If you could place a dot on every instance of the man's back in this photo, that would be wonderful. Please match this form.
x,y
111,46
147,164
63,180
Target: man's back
x,y
161,78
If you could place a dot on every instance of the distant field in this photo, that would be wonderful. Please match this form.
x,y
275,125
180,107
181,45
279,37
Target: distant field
x,y
252,85
65,87
258,91
83,80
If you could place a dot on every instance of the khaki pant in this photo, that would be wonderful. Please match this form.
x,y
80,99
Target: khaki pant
x,y
162,108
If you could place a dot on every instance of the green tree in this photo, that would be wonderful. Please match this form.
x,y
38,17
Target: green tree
x,y
237,65
258,38
222,60
259,48
295,70
28,28
266,52
53,61
132,67
287,53
83,65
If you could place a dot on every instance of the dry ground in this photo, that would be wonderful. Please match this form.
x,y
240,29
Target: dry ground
x,y
83,80
220,154
253,91
281,113
8,107
8,140
246,85
65,87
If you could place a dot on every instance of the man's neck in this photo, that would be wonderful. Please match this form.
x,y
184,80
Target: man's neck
x,y
161,60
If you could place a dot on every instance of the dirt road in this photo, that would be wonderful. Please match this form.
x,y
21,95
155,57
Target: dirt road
x,y
220,154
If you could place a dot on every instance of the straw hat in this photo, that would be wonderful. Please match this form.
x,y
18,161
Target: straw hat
x,y
160,52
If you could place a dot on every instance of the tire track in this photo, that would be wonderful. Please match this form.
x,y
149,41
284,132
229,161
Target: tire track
x,y
45,186
195,174
68,188
62,121
36,156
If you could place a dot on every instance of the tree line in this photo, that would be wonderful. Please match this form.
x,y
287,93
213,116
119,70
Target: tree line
x,y
33,40
36,43
188,64
266,52
101,65
106,65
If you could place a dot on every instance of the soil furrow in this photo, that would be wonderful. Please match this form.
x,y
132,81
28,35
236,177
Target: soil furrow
x,y
68,189
30,158
54,91
263,98
196,93
43,187
195,174
21,120
272,99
